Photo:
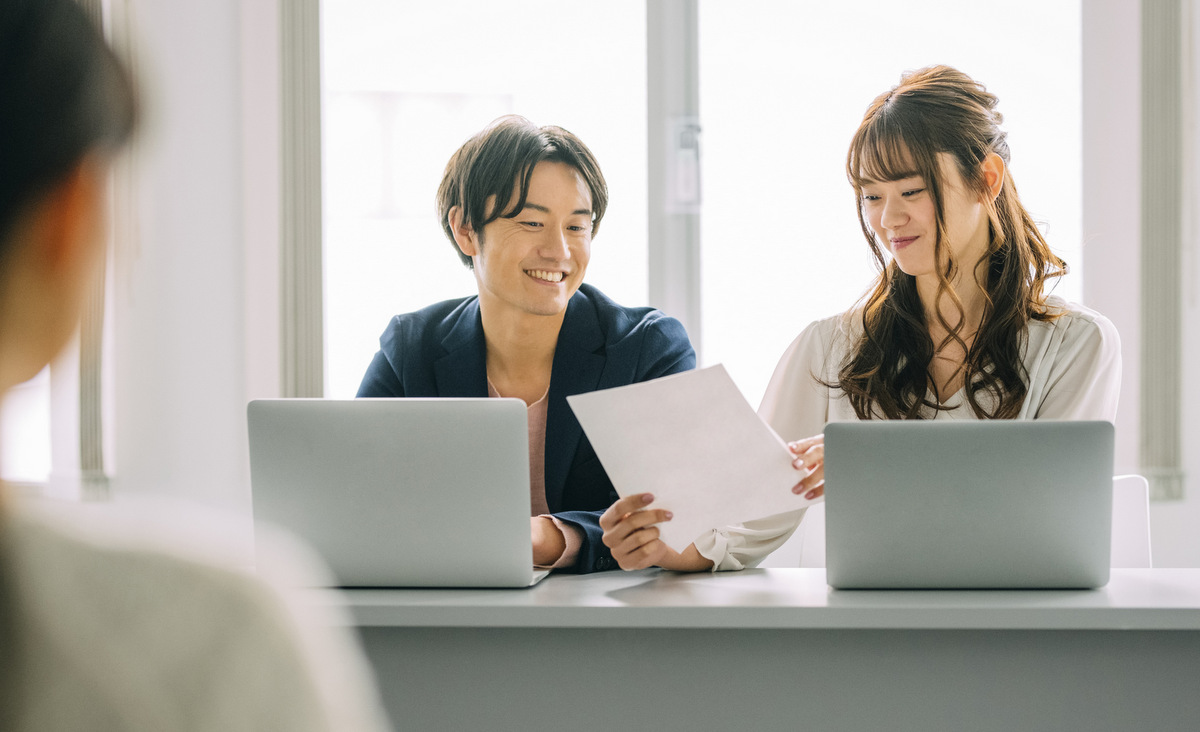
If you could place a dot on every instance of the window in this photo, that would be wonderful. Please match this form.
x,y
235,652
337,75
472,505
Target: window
x,y
402,92
25,426
784,85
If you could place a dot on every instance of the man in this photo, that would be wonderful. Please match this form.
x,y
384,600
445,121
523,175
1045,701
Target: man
x,y
520,204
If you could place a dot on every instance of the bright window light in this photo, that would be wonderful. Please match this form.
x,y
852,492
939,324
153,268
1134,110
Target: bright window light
x,y
404,84
25,428
783,86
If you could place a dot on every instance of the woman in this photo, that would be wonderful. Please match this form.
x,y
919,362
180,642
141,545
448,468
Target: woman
x,y
957,325
102,632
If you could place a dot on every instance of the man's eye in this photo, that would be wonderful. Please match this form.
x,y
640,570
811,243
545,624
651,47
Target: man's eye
x,y
532,223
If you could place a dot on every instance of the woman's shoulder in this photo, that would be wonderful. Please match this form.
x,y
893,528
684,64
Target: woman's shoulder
x,y
822,343
1074,323
834,332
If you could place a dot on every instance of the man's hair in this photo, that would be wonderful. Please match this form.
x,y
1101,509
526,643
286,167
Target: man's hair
x,y
501,159
63,94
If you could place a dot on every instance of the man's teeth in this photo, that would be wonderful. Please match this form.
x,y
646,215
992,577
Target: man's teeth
x,y
542,274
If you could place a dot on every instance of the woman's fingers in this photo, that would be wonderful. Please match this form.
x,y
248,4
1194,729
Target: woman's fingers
x,y
810,457
813,484
799,446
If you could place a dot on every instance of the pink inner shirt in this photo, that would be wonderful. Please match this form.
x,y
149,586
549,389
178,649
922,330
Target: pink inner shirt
x,y
536,416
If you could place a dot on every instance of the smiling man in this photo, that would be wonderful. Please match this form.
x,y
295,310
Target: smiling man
x,y
521,204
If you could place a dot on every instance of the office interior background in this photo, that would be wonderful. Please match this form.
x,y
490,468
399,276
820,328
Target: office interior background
x,y
277,207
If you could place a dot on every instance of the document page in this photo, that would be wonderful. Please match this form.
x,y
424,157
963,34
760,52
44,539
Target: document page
x,y
693,441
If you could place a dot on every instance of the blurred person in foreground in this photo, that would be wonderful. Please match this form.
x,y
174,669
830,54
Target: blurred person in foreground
x,y
115,632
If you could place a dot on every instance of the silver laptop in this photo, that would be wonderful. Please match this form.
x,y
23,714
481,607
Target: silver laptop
x,y
968,504
399,492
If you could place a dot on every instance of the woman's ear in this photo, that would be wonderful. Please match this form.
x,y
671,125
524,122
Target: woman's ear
x,y
66,227
57,249
993,174
464,235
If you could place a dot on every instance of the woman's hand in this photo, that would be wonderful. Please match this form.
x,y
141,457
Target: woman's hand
x,y
631,532
810,460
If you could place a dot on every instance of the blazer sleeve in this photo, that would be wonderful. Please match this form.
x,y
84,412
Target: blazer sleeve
x,y
665,349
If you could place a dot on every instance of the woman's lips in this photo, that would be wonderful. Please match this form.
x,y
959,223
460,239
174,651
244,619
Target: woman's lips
x,y
899,242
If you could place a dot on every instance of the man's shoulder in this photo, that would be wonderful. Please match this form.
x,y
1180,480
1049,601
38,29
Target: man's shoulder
x,y
430,322
638,342
619,322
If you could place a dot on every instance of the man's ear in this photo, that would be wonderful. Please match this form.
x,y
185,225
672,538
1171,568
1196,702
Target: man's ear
x,y
993,174
464,235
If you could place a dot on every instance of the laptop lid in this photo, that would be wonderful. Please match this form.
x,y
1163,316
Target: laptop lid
x,y
968,504
399,492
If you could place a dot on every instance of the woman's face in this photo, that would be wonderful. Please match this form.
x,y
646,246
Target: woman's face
x,y
57,249
903,215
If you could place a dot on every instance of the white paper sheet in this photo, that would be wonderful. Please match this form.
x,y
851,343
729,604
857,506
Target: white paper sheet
x,y
693,441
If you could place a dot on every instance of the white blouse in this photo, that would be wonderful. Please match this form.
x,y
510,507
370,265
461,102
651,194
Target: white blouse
x,y
1073,366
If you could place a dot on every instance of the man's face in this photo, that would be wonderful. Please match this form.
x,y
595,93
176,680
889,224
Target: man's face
x,y
534,262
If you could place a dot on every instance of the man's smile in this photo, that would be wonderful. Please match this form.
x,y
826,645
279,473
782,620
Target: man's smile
x,y
544,275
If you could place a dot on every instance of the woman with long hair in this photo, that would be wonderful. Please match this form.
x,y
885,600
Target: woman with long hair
x,y
958,325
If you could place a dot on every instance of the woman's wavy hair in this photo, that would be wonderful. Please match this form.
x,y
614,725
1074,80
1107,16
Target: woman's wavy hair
x,y
942,110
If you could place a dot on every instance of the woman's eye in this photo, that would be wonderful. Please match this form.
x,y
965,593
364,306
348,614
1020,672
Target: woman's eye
x,y
869,197
913,192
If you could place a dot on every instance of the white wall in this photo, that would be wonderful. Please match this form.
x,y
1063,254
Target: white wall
x,y
179,302
196,303
1112,233
1176,525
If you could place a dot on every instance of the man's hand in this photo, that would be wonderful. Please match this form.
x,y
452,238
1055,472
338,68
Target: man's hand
x,y
548,542
632,535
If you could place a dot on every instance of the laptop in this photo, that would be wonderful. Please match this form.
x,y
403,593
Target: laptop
x,y
968,504
399,492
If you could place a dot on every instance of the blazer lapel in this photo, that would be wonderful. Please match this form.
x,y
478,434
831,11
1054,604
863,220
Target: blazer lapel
x,y
578,365
462,371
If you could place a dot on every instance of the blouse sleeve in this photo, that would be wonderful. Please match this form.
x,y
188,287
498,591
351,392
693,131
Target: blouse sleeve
x,y
1085,378
795,405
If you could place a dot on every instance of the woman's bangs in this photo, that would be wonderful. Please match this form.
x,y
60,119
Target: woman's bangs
x,y
881,154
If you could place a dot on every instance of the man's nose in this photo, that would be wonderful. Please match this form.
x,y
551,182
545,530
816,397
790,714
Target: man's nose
x,y
554,244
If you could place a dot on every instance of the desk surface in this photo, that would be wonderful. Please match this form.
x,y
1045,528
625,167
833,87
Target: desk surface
x,y
1134,599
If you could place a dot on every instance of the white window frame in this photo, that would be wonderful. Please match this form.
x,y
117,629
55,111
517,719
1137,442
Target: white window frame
x,y
1151,367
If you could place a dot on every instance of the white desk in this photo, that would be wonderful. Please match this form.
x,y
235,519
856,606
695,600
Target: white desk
x,y
778,649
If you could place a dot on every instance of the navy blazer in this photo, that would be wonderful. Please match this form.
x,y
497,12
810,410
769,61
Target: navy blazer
x,y
440,352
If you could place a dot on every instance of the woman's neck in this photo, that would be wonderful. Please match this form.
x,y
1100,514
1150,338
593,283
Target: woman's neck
x,y
943,315
952,328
